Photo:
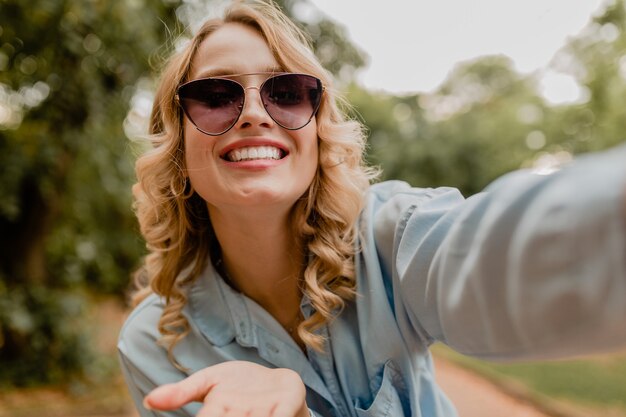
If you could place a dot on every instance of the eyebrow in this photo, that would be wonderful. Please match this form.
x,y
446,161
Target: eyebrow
x,y
217,72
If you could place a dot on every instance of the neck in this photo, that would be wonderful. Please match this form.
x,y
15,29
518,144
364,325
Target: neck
x,y
262,259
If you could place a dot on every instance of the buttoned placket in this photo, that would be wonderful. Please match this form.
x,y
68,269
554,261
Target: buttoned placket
x,y
324,364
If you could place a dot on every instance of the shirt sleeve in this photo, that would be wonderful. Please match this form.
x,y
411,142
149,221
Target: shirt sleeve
x,y
532,268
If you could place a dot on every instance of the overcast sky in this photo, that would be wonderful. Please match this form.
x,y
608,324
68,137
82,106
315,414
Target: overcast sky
x,y
413,44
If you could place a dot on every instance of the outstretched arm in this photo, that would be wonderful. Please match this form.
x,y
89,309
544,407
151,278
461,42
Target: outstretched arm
x,y
533,268
625,202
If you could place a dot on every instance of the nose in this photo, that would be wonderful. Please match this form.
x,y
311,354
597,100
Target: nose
x,y
253,112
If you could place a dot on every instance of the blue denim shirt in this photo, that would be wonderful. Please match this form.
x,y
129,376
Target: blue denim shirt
x,y
533,268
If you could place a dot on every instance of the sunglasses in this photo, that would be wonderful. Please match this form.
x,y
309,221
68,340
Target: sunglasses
x,y
215,104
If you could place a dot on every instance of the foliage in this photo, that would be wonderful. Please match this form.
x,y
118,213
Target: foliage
x,y
68,70
464,135
42,348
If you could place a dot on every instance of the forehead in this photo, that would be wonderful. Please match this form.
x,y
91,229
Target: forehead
x,y
232,49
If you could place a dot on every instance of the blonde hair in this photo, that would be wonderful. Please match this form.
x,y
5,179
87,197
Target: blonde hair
x,y
174,219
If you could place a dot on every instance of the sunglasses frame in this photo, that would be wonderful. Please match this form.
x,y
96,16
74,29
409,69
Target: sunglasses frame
x,y
228,77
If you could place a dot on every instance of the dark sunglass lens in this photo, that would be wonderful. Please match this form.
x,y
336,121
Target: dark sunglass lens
x,y
212,105
292,99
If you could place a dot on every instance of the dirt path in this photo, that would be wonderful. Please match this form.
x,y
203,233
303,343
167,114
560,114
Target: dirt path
x,y
477,397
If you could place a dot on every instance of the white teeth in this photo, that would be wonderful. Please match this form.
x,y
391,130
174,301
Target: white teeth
x,y
251,153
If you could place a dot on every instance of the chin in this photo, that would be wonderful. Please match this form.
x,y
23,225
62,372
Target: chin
x,y
268,197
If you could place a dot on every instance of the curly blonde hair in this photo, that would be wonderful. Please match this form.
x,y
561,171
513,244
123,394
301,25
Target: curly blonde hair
x,y
174,220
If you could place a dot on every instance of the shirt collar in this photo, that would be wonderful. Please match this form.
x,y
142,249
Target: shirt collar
x,y
208,307
222,314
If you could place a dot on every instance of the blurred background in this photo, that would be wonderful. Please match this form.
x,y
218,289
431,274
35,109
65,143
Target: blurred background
x,y
76,84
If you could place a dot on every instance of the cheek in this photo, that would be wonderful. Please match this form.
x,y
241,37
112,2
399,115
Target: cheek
x,y
310,151
198,150
309,140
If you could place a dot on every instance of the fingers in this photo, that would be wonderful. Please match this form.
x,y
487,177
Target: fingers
x,y
219,411
173,396
216,405
290,409
212,411
282,412
228,404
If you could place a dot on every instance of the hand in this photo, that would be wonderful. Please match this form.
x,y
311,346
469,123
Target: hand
x,y
235,389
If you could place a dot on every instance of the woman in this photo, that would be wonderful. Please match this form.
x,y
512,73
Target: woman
x,y
280,283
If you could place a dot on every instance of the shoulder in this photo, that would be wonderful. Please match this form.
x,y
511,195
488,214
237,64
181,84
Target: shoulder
x,y
391,203
140,330
137,341
144,360
398,196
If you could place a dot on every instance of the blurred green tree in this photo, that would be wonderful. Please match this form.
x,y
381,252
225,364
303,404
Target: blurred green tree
x,y
486,119
68,71
464,134
597,60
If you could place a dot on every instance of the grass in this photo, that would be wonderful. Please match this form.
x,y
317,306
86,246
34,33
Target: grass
x,y
596,385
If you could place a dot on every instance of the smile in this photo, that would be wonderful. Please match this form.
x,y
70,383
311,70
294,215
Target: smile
x,y
251,153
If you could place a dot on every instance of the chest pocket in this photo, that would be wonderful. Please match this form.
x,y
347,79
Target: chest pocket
x,y
390,400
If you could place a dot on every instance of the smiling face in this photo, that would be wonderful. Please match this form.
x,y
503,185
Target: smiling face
x,y
256,164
